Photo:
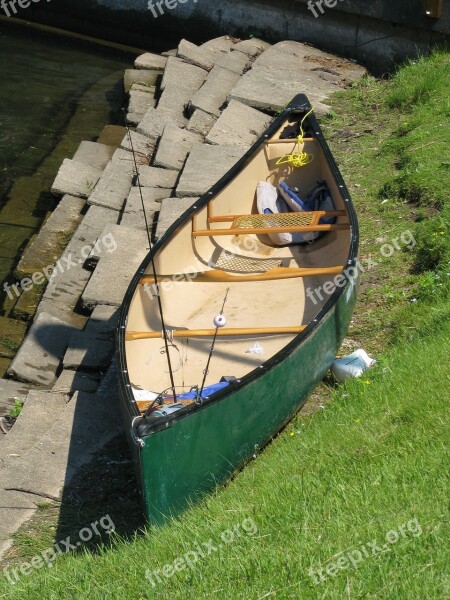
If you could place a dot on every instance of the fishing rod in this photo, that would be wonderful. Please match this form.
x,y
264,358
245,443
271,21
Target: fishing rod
x,y
163,325
219,321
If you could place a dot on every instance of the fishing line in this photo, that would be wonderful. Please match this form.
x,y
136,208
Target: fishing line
x,y
164,331
219,321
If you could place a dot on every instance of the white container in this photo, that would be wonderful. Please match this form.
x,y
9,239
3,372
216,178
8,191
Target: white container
x,y
352,365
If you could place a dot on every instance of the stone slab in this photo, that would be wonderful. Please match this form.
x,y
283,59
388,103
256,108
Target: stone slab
x,y
94,222
114,184
157,178
212,96
94,154
238,124
53,236
103,320
114,272
40,355
133,215
174,147
150,61
171,109
205,165
201,122
171,210
220,45
238,62
75,178
179,75
138,105
76,381
252,47
144,147
88,352
200,57
289,66
147,77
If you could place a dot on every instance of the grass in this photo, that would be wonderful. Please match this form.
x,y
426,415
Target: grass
x,y
366,469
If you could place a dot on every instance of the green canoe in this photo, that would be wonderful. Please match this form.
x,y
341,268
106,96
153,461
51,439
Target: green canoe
x,y
194,417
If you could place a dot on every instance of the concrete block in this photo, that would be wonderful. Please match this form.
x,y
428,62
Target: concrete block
x,y
53,236
157,178
114,271
114,185
200,57
201,122
171,210
133,215
238,62
182,75
171,109
143,147
88,352
94,154
238,124
40,355
138,104
289,66
252,47
220,45
76,179
147,77
72,381
212,96
150,61
174,147
103,320
93,223
205,165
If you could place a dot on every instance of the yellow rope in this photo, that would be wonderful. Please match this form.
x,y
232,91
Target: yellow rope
x,y
298,158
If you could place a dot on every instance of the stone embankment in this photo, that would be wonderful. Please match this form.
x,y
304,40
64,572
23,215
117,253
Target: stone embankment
x,y
194,112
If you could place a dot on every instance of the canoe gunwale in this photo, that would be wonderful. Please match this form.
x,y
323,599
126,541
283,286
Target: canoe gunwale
x,y
300,104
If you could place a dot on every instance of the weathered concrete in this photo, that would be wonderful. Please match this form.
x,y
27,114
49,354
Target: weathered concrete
x,y
76,381
75,178
238,62
174,147
201,57
144,147
179,74
154,177
252,47
94,222
171,210
114,272
201,122
148,77
53,236
133,215
220,45
150,61
94,154
103,321
238,124
141,99
88,352
289,68
212,96
205,166
114,184
40,355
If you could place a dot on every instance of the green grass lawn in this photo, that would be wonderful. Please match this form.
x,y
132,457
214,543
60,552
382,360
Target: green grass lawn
x,y
350,501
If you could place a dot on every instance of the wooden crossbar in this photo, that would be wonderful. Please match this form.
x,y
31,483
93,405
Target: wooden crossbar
x,y
289,141
194,333
214,276
261,230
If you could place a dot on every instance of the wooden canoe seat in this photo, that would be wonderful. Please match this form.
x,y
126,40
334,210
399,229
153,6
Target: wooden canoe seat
x,y
216,275
292,222
225,332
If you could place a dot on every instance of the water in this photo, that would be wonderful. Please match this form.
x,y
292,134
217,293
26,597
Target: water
x,y
54,93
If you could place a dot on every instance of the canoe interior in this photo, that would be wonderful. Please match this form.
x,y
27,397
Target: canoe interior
x,y
192,303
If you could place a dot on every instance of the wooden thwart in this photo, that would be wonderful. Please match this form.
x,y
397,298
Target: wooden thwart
x,y
188,333
319,213
289,141
270,275
261,230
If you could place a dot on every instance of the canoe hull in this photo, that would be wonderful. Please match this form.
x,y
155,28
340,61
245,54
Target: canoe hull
x,y
181,463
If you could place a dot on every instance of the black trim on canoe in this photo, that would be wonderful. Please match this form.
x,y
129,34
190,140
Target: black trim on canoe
x,y
300,105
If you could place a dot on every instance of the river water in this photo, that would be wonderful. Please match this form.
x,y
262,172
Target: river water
x,y
55,91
